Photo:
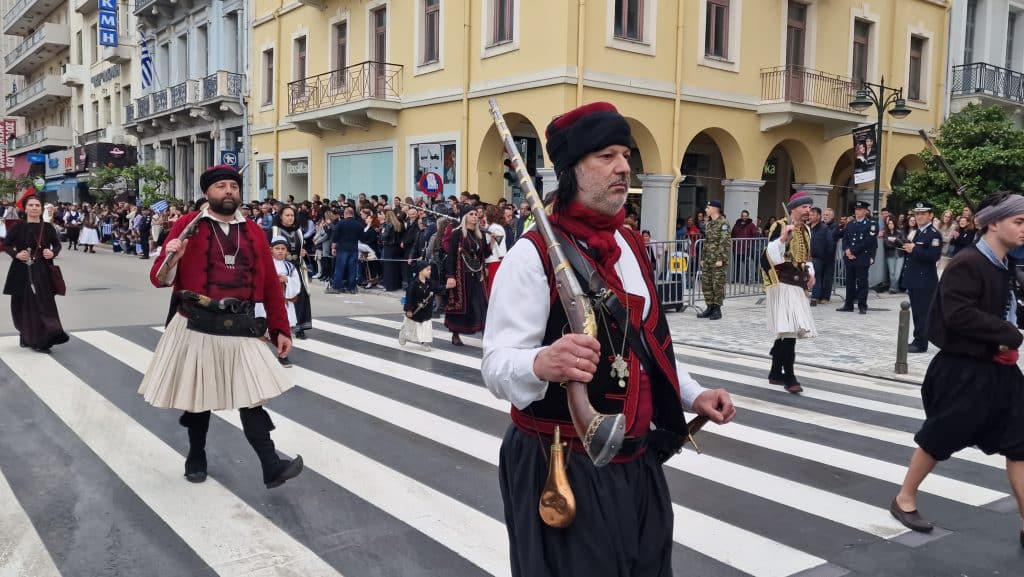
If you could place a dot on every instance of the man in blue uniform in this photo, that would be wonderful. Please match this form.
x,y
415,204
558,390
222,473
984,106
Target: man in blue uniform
x,y
860,240
920,276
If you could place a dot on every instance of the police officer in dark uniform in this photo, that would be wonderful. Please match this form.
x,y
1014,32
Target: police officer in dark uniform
x,y
920,275
860,241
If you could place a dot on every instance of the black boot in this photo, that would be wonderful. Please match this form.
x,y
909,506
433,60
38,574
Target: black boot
x,y
716,312
257,425
775,376
195,464
789,357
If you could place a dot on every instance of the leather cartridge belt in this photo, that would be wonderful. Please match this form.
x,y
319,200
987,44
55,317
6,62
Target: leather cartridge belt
x,y
227,317
792,274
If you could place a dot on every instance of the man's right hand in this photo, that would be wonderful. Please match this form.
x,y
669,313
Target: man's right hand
x,y
23,256
570,358
178,248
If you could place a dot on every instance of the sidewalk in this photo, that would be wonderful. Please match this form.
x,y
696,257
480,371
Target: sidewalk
x,y
860,344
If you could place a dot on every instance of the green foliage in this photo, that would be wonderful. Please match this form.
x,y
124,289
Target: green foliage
x,y
11,188
148,180
985,151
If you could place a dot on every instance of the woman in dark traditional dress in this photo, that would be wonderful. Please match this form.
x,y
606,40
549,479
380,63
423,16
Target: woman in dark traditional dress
x,y
285,225
32,243
391,252
464,274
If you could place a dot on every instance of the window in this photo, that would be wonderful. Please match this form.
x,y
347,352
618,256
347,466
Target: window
x,y
431,31
108,110
972,19
796,33
1011,29
716,31
94,43
266,179
78,44
268,77
300,58
916,58
861,44
202,50
629,16
501,31
341,45
96,114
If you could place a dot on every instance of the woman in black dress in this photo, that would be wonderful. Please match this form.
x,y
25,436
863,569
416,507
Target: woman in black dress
x,y
285,225
33,244
464,270
391,251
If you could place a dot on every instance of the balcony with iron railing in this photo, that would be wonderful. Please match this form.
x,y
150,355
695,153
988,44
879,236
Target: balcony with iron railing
x,y
201,98
45,43
24,16
44,92
47,138
791,93
86,6
988,83
351,96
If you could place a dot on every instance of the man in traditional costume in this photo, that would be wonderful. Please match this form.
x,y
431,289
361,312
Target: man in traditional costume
x,y
788,272
973,392
210,357
623,524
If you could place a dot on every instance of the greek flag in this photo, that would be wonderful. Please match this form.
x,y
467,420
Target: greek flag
x,y
159,206
146,64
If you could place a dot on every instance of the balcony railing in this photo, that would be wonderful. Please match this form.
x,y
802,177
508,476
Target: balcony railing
x,y
982,78
142,5
142,107
159,101
129,114
807,86
32,90
31,42
15,11
223,84
36,137
366,80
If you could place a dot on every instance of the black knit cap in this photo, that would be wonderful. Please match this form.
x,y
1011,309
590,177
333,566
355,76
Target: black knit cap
x,y
583,130
218,173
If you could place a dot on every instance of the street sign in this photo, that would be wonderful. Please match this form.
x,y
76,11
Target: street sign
x,y
36,158
677,264
431,183
229,157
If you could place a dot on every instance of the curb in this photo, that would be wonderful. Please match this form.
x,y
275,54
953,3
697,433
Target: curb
x,y
894,378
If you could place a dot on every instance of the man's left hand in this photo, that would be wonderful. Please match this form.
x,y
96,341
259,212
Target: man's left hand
x,y
810,282
715,404
47,254
909,247
718,263
284,345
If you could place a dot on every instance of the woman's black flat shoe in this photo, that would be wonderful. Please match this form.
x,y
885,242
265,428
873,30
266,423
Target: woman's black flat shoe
x,y
456,340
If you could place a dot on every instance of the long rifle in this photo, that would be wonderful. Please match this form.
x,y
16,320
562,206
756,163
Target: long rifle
x,y
600,434
961,189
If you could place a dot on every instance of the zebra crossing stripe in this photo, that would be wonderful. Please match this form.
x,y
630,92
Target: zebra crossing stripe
x,y
469,533
806,416
860,516
22,552
224,531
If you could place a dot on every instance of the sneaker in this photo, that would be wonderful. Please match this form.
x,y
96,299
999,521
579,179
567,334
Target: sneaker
x,y
331,291
285,362
425,347
402,338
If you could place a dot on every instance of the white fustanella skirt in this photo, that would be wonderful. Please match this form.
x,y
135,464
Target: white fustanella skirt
x,y
196,372
789,312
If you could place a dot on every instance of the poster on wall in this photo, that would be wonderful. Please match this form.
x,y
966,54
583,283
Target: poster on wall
x,y
865,154
438,158
7,132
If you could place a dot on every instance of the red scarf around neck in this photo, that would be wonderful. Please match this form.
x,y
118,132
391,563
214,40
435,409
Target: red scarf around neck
x,y
597,231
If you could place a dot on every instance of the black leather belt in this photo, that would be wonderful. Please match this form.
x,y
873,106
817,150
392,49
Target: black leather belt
x,y
632,446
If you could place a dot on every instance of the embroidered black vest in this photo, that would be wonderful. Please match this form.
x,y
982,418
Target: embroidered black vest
x,y
606,396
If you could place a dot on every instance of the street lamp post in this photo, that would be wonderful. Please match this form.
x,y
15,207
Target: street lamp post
x,y
882,97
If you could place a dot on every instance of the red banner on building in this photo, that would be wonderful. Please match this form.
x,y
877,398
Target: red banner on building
x,y
7,128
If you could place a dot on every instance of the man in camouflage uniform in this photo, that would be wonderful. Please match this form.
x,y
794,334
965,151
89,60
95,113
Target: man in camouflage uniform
x,y
714,261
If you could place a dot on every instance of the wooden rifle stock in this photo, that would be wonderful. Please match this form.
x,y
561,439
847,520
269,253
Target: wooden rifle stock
x,y
600,434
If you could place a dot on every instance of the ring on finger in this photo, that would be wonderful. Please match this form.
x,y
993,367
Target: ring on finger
x,y
577,365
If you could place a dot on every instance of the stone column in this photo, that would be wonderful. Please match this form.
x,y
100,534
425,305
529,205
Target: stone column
x,y
819,192
198,162
654,208
742,195
549,181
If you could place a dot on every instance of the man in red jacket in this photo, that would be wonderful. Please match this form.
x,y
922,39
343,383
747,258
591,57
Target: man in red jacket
x,y
211,356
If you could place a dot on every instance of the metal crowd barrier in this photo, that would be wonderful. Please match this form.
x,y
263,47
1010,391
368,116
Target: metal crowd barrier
x,y
678,274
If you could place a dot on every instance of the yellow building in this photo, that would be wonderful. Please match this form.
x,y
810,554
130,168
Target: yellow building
x,y
738,100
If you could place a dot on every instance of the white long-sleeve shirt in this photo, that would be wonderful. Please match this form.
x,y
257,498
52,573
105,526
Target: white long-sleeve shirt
x,y
517,315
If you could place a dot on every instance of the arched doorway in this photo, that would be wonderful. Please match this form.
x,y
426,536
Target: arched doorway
x,y
703,170
843,192
494,178
779,178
